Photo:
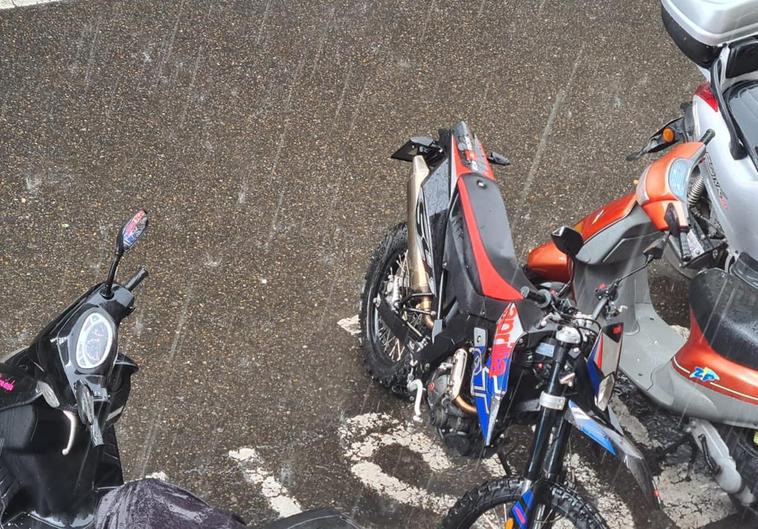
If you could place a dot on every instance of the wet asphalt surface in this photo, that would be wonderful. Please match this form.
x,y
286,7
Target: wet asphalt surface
x,y
257,135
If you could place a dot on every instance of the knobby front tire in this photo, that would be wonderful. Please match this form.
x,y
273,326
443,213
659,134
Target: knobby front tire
x,y
494,499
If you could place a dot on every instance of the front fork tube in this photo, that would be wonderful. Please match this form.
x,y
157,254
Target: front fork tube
x,y
536,466
554,463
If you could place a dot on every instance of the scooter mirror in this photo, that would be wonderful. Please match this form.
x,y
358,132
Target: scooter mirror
x,y
568,241
131,232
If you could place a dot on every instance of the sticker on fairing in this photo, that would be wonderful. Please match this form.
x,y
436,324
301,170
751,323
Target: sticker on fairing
x,y
590,427
489,382
521,508
7,385
705,374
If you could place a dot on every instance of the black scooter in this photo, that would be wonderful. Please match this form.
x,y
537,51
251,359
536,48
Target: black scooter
x,y
60,399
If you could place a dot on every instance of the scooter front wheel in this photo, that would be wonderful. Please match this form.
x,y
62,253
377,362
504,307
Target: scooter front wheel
x,y
489,505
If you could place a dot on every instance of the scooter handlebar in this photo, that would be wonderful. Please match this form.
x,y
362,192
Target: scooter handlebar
x,y
136,279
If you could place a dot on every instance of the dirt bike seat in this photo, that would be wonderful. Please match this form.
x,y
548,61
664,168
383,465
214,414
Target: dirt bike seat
x,y
726,310
489,254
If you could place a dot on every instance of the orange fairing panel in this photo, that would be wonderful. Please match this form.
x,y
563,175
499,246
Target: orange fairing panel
x,y
606,215
697,361
550,263
653,191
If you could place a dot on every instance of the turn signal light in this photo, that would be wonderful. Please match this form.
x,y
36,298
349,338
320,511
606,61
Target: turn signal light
x,y
668,135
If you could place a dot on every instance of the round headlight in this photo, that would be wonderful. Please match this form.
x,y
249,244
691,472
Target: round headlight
x,y
94,341
679,175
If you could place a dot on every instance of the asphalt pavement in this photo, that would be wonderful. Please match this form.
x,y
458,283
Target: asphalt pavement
x,y
257,134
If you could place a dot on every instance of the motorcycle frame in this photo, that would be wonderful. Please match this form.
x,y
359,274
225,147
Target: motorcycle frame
x,y
430,225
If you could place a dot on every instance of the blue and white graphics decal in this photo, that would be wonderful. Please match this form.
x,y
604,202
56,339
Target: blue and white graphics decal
x,y
705,374
489,382
590,427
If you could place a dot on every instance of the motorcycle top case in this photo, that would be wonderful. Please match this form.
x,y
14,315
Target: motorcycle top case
x,y
701,27
154,504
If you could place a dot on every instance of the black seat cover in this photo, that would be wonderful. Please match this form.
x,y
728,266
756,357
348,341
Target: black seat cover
x,y
726,310
494,230
153,504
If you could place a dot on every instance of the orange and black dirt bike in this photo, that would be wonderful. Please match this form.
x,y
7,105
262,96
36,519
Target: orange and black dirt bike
x,y
709,378
448,313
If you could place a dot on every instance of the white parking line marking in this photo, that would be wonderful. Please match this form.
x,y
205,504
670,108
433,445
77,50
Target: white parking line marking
x,y
10,4
158,475
691,504
363,435
276,494
351,325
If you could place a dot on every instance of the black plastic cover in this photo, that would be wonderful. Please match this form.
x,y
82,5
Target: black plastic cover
x,y
16,387
698,52
153,504
725,308
742,99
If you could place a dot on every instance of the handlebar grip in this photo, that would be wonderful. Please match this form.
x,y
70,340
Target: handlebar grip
x,y
541,297
708,136
136,279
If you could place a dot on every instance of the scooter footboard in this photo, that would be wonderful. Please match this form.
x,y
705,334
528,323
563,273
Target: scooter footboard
x,y
616,443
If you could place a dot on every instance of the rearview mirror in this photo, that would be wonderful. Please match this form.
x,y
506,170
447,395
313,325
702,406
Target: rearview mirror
x,y
568,241
131,232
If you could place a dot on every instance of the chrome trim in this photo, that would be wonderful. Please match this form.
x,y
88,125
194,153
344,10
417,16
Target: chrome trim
x,y
553,402
74,421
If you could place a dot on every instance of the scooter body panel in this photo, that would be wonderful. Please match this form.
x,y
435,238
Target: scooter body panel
x,y
656,357
731,184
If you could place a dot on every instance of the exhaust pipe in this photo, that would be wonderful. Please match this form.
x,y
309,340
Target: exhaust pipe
x,y
718,458
456,381
419,278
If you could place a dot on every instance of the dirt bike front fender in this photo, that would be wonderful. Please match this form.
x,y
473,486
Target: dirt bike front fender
x,y
613,440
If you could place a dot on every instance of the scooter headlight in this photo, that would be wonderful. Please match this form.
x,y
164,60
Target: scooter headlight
x,y
679,175
93,344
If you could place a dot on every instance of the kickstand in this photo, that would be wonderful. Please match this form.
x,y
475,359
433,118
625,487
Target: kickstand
x,y
686,439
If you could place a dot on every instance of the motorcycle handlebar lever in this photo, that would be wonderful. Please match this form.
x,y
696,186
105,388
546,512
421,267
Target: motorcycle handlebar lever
x,y
136,279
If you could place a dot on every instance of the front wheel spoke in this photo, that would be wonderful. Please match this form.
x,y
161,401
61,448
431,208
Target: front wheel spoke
x,y
397,350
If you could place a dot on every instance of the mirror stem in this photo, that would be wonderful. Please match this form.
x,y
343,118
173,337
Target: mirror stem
x,y
111,276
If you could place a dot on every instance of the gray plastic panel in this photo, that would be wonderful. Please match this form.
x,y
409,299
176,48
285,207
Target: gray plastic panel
x,y
715,22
